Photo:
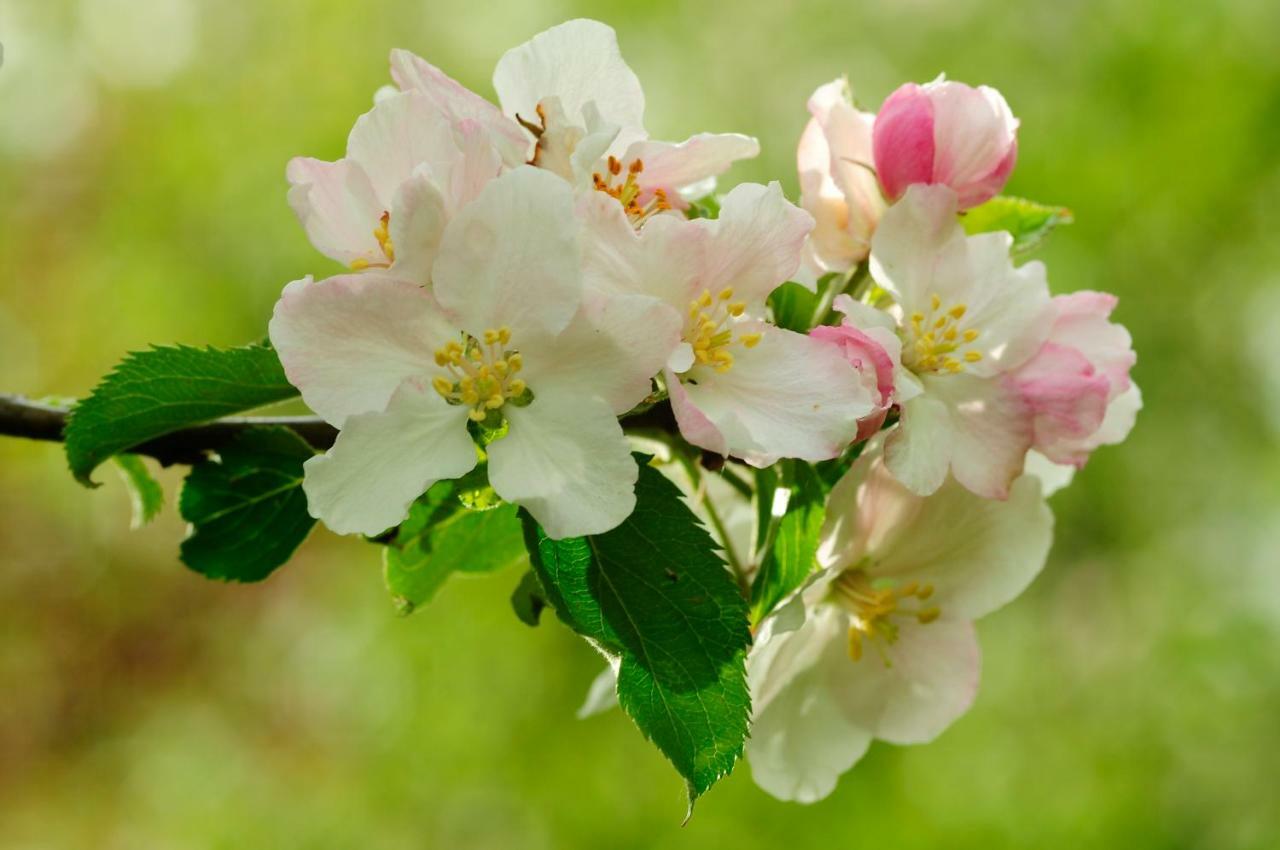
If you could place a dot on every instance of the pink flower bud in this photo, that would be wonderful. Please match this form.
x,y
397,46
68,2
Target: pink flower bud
x,y
868,351
949,133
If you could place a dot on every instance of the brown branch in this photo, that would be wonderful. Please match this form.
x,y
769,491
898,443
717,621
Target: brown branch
x,y
21,417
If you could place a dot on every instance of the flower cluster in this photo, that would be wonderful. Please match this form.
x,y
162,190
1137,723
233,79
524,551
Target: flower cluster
x,y
522,277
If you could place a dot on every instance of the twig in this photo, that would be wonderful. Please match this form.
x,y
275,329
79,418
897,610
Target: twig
x,y
22,417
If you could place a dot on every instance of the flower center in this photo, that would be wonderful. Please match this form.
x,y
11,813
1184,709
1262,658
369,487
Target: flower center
x,y
628,192
383,234
480,373
874,607
709,329
937,341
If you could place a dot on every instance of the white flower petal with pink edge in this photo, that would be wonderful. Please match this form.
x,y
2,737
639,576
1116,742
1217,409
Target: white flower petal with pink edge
x,y
788,396
383,461
837,182
978,554
611,349
337,207
511,257
413,73
397,137
579,63
675,167
566,460
349,341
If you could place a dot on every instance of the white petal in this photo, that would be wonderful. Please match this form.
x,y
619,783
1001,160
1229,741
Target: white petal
x,y
672,166
1122,412
566,460
695,426
611,349
578,62
414,73
602,696
396,137
991,430
511,257
663,260
479,163
977,553
1053,476
919,247
347,342
918,451
756,243
801,740
382,461
930,680
416,226
338,208
789,396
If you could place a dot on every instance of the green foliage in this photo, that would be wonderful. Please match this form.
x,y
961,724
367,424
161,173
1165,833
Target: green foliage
x,y
707,206
653,593
529,600
442,536
153,393
794,307
792,556
146,496
1028,221
247,509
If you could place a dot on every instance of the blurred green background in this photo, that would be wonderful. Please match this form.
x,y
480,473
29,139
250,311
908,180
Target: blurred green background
x,y
1130,699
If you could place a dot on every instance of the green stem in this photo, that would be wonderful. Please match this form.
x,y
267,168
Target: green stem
x,y
735,563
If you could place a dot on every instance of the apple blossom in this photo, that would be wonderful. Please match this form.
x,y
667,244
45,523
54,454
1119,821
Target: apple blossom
x,y
409,166
882,644
1078,384
579,109
945,133
738,386
875,351
506,340
837,181
967,317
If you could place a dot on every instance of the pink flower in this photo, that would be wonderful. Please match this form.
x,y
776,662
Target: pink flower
x,y
948,133
874,352
837,186
1077,385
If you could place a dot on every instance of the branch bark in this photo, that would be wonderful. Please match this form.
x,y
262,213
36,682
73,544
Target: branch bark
x,y
21,417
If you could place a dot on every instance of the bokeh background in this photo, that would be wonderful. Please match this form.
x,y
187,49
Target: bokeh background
x,y
1130,699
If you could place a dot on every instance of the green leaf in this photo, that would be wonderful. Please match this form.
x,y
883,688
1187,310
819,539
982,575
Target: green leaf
x,y
708,206
1027,221
441,537
654,593
145,493
247,509
795,307
529,599
793,555
153,393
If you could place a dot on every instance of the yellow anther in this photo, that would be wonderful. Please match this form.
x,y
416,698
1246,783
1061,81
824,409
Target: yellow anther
x,y
726,293
928,615
501,367
737,308
516,362
442,357
910,588
490,336
504,334
360,264
750,340
924,592
855,643
935,301
476,415
495,401
470,397
952,365
917,318
950,335
972,356
442,385
941,322
705,298
958,311
515,388
476,354
970,335
383,234
483,372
